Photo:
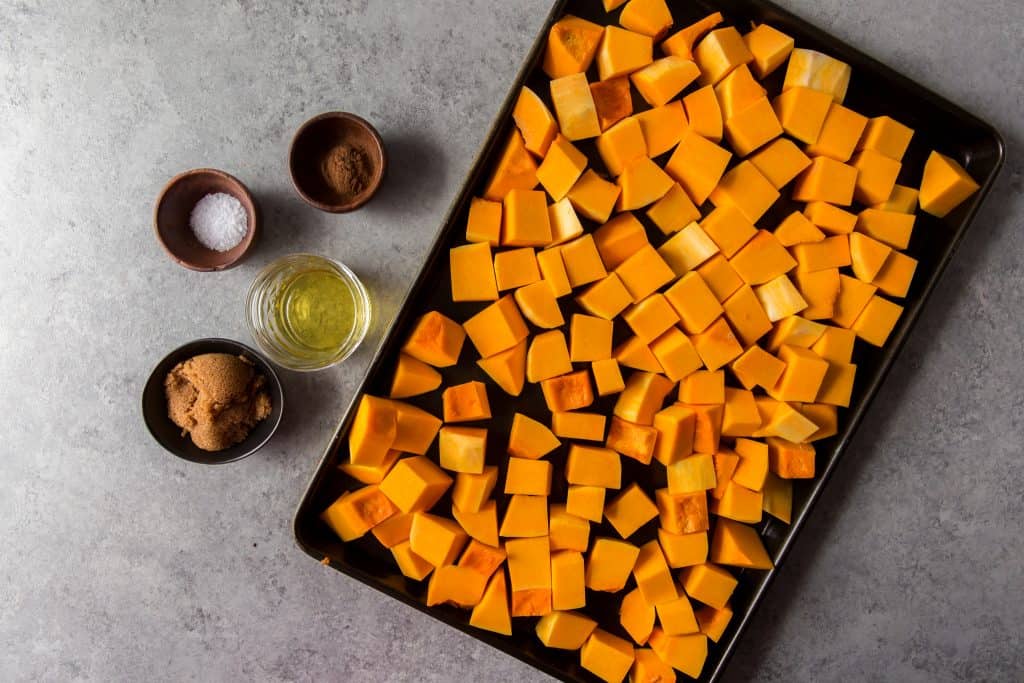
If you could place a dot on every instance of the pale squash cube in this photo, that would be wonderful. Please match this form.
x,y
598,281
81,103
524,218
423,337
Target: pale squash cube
x,y
574,107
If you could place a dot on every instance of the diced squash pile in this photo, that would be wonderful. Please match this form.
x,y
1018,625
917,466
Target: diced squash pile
x,y
677,291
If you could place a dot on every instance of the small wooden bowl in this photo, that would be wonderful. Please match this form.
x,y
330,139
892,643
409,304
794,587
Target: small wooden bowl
x,y
314,140
174,206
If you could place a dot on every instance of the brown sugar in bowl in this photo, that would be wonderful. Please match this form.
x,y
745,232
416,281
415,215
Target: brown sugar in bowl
x,y
174,206
315,140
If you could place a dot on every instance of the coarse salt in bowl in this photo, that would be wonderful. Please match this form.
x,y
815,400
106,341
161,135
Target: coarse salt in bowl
x,y
218,221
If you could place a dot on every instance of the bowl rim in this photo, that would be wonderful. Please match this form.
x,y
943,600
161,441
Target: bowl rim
x,y
378,177
265,365
242,189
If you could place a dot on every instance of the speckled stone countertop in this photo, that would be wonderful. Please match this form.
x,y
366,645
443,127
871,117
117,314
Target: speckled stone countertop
x,y
119,562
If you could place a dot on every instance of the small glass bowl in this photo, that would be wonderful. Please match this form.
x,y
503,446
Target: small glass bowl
x,y
266,329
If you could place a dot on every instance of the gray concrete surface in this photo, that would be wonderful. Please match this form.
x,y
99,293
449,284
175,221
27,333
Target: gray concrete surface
x,y
118,562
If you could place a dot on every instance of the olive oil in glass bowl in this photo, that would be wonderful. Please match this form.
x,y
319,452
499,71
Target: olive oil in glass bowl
x,y
307,312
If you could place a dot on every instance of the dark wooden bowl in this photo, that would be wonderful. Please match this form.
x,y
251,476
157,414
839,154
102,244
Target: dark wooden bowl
x,y
173,207
312,143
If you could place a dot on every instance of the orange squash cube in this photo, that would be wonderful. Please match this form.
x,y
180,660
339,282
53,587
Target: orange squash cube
x,y
462,449
613,101
703,387
738,503
676,617
757,368
548,356
484,221
537,303
902,199
770,48
356,512
720,276
482,558
515,170
683,513
854,295
797,229
762,259
891,227
586,502
830,219
649,17
609,564
590,338
465,402
436,340
622,52
621,144
662,127
664,78
945,185
887,136
650,317
713,622
593,197
704,113
738,545
673,211
436,539
831,252
877,321
582,261
721,51
744,188
709,584
697,165
567,392
526,516
717,345
654,578
642,397
737,91
896,274
802,377
818,71
835,344
507,368
607,376
606,298
740,416
529,438
693,302
572,44
687,249
837,386
642,182
747,316
780,298
630,510
778,498
684,550
826,180
472,273
753,126
795,331
415,484
525,219
633,353
780,161
460,586
728,227
867,256
552,271
820,289
606,656
564,630
619,238
644,272
568,591
371,474
876,176
578,425
682,41
562,166
675,427
802,112
790,460
481,525
373,431
529,571
632,440
839,134
528,477
685,653
515,268
472,490
568,532
496,328
535,122
409,563
574,107
393,530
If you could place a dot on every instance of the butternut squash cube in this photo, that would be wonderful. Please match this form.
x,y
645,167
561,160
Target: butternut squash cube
x,y
738,545
831,219
648,667
642,397
613,101
586,502
787,423
472,490
436,539
548,357
484,221
435,340
945,185
460,586
552,270
738,503
572,44
802,377
717,345
525,219
662,127
902,199
817,71
649,17
590,338
876,176
507,368
491,613
780,161
729,228
535,122
682,41
795,331
826,417
753,464
854,296
621,143
713,622
528,477
356,512
709,584
371,474
877,321
682,513
896,274
562,166
514,268
887,136
609,564
697,164
737,91
676,617
594,197
720,277
529,571
465,402
790,460
568,532
837,386
630,510
463,449
516,169
762,259
525,516
675,425
703,386
538,305
757,368
619,238
890,227
770,48
496,328
413,377
564,630
802,112
685,653
753,126
373,431
567,588
481,525
867,256
593,466
687,249
779,298
707,426
415,484
606,298
835,344
636,616
607,376
826,180
740,416
578,425
644,272
704,113
633,353
721,51
691,474
577,115
828,254
409,563
693,302
606,656
472,272
820,290
778,498
744,188
529,438
642,183
747,316
797,229
567,392
684,550
622,52
664,78
582,261
650,317
839,134
726,463
393,530
673,211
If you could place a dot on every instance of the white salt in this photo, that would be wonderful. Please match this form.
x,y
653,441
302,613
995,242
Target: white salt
x,y
219,221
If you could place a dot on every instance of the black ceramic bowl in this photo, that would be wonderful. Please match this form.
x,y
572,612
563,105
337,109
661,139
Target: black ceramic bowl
x,y
168,434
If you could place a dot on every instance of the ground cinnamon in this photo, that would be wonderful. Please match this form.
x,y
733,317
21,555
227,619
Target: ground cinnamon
x,y
346,170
